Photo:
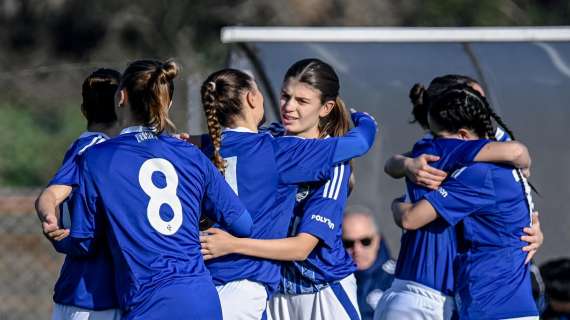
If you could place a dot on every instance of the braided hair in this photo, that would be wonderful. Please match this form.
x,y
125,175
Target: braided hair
x,y
221,99
463,107
420,96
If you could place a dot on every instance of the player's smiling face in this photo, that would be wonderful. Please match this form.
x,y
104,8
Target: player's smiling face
x,y
301,108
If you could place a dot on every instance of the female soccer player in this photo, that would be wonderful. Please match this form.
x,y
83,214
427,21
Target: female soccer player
x,y
264,171
417,169
424,284
492,202
142,192
85,288
319,283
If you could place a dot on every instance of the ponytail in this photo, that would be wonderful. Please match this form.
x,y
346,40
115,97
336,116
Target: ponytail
x,y
420,110
150,88
337,122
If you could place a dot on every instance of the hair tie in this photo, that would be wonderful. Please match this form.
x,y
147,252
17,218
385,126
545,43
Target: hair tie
x,y
213,84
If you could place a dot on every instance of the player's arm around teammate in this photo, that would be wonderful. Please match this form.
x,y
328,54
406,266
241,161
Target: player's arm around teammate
x,y
479,194
142,192
264,171
503,150
310,108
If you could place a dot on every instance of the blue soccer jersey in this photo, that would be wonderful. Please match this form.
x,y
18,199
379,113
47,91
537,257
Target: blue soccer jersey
x,y
84,282
143,192
319,212
264,171
427,254
490,200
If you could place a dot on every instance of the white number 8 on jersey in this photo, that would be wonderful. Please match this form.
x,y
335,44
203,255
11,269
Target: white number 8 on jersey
x,y
159,196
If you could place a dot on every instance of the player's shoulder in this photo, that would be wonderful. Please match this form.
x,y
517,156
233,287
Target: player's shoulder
x,y
475,171
286,143
275,129
87,140
178,143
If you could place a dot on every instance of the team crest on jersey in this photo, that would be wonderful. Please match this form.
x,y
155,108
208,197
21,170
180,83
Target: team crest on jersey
x,y
302,193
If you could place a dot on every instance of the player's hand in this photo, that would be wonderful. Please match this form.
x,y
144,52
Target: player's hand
x,y
421,173
534,237
182,136
52,230
357,115
216,243
526,172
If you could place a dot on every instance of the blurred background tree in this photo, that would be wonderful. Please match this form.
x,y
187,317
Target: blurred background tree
x,y
50,46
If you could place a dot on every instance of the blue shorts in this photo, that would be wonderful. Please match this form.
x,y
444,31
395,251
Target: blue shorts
x,y
194,300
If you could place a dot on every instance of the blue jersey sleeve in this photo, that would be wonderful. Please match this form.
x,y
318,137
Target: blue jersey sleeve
x,y
467,150
453,152
84,204
302,160
468,190
358,140
68,173
323,211
222,204
77,247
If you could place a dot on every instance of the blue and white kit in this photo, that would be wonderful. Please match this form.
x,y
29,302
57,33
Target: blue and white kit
x,y
142,193
85,288
265,171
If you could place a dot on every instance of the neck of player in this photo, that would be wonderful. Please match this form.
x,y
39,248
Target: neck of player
x,y
245,122
110,129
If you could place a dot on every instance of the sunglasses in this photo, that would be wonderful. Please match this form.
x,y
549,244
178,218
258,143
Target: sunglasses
x,y
365,242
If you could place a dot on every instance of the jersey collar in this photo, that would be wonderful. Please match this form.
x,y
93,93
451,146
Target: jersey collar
x,y
136,129
238,129
93,133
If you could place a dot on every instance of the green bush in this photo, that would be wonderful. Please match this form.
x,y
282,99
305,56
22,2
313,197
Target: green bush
x,y
31,146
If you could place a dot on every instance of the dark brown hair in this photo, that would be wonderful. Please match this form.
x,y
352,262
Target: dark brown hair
x,y
150,88
321,76
222,102
420,96
98,92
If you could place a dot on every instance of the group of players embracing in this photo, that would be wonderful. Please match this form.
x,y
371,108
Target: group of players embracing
x,y
130,199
